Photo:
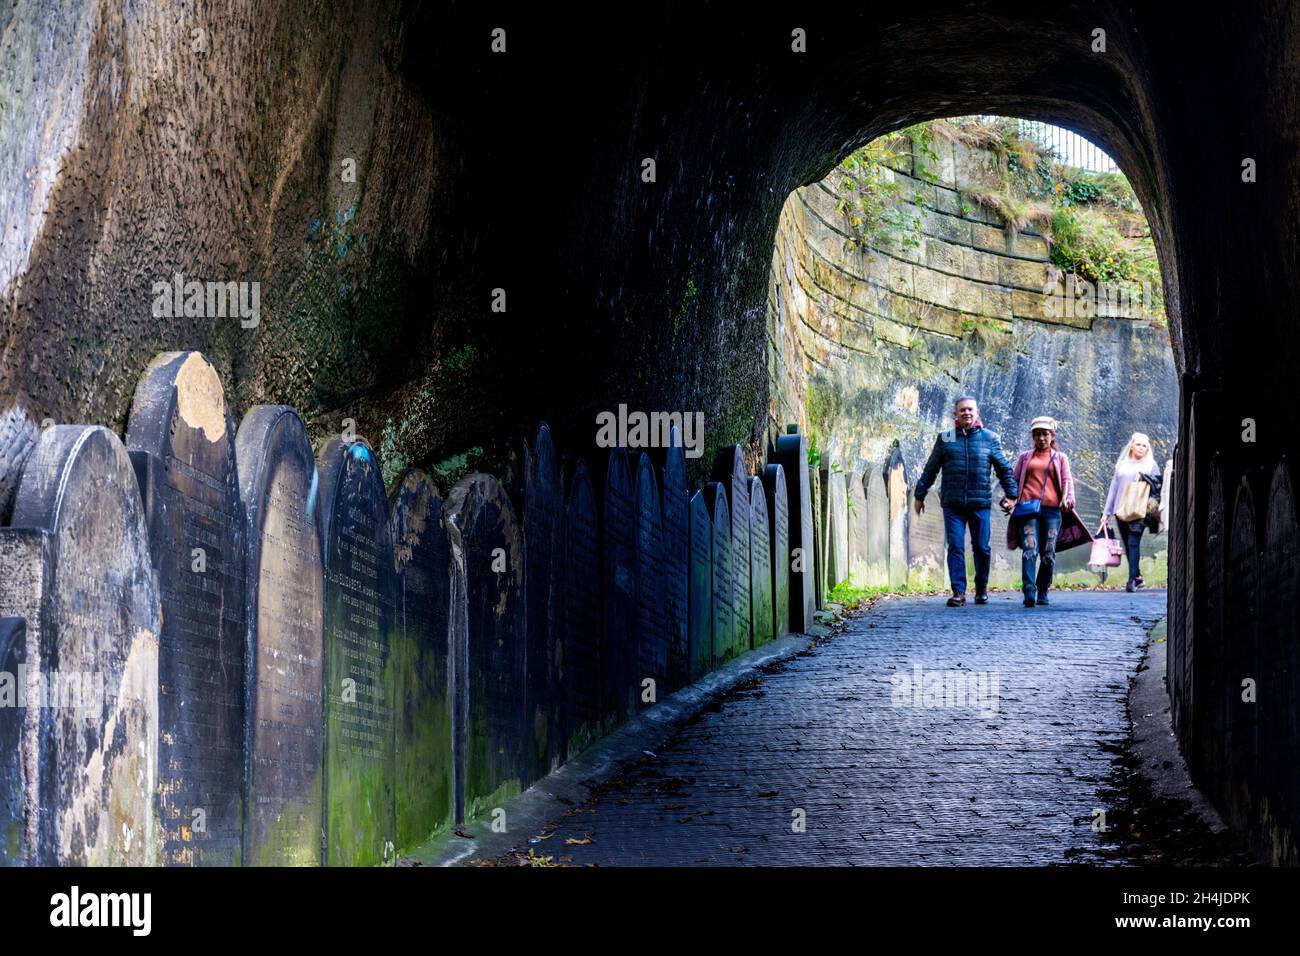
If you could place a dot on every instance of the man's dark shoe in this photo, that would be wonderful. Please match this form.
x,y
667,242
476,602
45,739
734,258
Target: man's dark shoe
x,y
1139,585
1029,602
1130,587
1042,598
957,600
981,597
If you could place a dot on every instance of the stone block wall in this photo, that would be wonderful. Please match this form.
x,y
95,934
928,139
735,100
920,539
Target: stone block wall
x,y
871,344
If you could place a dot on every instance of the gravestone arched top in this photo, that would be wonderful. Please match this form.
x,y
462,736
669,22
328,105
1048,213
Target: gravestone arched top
x,y
349,468
178,389
416,502
277,428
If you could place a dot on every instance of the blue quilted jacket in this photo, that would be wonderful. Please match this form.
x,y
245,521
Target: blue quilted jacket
x,y
966,456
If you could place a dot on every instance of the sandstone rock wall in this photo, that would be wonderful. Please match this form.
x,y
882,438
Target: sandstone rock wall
x,y
870,345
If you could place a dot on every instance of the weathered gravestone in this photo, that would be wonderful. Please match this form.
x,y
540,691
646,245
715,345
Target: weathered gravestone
x,y
182,444
542,510
618,652
284,650
360,605
927,550
580,668
729,471
877,529
77,556
821,532
700,596
896,491
760,564
676,569
792,456
859,537
724,605
778,515
487,644
13,661
837,507
421,675
652,622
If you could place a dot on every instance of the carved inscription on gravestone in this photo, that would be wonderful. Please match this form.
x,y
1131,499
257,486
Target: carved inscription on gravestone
x,y
182,444
360,595
700,596
95,736
729,471
724,625
421,691
486,622
760,564
284,648
778,512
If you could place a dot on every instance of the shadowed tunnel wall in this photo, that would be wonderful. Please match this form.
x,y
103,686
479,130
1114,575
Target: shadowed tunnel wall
x,y
522,171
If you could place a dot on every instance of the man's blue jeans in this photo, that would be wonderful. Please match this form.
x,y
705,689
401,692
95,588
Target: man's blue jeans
x,y
1038,550
955,521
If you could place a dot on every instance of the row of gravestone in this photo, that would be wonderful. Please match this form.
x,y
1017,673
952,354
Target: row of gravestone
x,y
221,648
862,527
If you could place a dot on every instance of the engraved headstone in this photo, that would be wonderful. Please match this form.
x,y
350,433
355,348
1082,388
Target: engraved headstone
x,y
360,605
760,564
652,622
877,529
838,539
729,471
792,456
580,669
821,533
13,658
724,606
182,444
927,550
285,645
859,537
421,676
487,644
676,525
619,647
543,505
95,624
778,515
896,492
700,597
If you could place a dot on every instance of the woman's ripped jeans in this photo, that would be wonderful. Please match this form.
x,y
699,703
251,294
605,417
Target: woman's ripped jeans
x,y
1038,550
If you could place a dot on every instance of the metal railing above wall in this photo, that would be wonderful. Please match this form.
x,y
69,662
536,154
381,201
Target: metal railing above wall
x,y
1068,146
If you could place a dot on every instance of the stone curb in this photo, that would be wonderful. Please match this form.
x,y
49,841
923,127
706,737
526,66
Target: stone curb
x,y
1160,761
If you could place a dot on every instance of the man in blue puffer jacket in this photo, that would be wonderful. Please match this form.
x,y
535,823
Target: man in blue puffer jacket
x,y
966,453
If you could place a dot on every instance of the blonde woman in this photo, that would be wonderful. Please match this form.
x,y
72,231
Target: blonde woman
x,y
1136,460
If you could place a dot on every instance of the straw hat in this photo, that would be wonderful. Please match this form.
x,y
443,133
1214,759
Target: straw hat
x,y
1043,421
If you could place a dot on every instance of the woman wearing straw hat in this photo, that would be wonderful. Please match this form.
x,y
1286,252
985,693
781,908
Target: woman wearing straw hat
x,y
1134,461
1046,487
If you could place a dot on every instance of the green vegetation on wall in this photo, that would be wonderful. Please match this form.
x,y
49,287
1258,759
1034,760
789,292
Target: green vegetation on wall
x,y
1093,221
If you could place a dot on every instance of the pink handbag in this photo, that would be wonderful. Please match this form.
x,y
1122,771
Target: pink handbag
x,y
1107,552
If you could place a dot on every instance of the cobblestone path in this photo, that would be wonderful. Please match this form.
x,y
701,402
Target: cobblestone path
x,y
1000,767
